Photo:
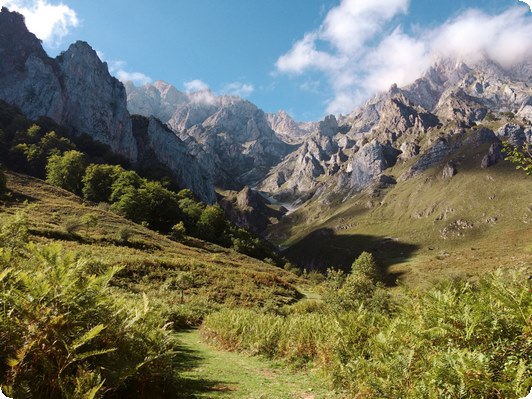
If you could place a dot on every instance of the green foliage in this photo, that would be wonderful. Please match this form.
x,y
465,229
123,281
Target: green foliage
x,y
14,234
153,204
456,340
361,287
178,231
521,157
212,224
89,220
66,171
125,181
123,234
64,333
98,181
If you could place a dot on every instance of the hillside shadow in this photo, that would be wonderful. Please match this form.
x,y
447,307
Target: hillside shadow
x,y
323,248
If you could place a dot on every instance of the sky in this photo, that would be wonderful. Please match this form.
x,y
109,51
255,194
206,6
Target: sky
x,y
307,57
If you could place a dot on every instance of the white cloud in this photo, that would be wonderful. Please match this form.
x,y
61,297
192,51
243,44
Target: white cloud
x,y
195,85
362,48
529,2
49,21
117,68
238,89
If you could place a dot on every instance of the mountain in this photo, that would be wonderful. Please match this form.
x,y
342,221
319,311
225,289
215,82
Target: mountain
x,y
287,129
229,135
416,170
76,90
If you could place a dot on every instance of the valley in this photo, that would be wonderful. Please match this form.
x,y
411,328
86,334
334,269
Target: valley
x,y
158,243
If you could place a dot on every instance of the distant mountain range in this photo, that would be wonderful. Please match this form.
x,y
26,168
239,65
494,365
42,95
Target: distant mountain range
x,y
228,143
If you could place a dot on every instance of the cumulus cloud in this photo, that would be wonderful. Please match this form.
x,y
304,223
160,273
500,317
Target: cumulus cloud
x,y
195,85
529,2
118,69
238,89
49,21
362,47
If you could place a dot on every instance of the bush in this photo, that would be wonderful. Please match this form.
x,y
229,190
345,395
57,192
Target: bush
x,y
66,171
65,333
453,340
178,231
98,182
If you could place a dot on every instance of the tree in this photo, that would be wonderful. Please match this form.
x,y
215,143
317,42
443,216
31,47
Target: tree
x,y
153,204
212,224
66,171
521,157
178,231
126,180
98,182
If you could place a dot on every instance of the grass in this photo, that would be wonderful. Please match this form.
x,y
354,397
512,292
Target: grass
x,y
149,261
219,374
413,228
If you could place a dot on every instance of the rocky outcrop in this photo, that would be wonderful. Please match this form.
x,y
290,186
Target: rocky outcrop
x,y
95,102
368,163
435,154
229,135
75,89
157,143
449,170
247,208
493,156
515,134
287,129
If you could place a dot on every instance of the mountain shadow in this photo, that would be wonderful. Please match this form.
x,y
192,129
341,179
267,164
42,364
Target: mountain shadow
x,y
323,248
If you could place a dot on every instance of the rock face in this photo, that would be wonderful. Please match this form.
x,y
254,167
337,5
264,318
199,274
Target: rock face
x,y
249,209
75,89
231,136
95,102
369,163
493,156
287,129
157,142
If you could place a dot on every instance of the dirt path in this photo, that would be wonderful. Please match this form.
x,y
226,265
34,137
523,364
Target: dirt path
x,y
217,374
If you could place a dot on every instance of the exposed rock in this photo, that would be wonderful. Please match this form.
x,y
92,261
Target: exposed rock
x,y
251,210
230,134
75,89
369,162
479,137
408,150
287,129
493,155
434,155
328,127
514,133
158,143
525,111
449,170
95,102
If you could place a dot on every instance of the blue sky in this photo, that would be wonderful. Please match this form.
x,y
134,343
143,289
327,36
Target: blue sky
x,y
309,57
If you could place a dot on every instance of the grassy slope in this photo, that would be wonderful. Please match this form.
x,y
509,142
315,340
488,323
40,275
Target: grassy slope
x,y
403,226
148,259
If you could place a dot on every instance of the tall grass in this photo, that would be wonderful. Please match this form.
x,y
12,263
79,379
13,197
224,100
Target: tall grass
x,y
455,340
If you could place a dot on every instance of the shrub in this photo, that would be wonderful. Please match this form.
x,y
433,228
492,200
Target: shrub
x,y
65,333
66,171
453,340
178,231
98,182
